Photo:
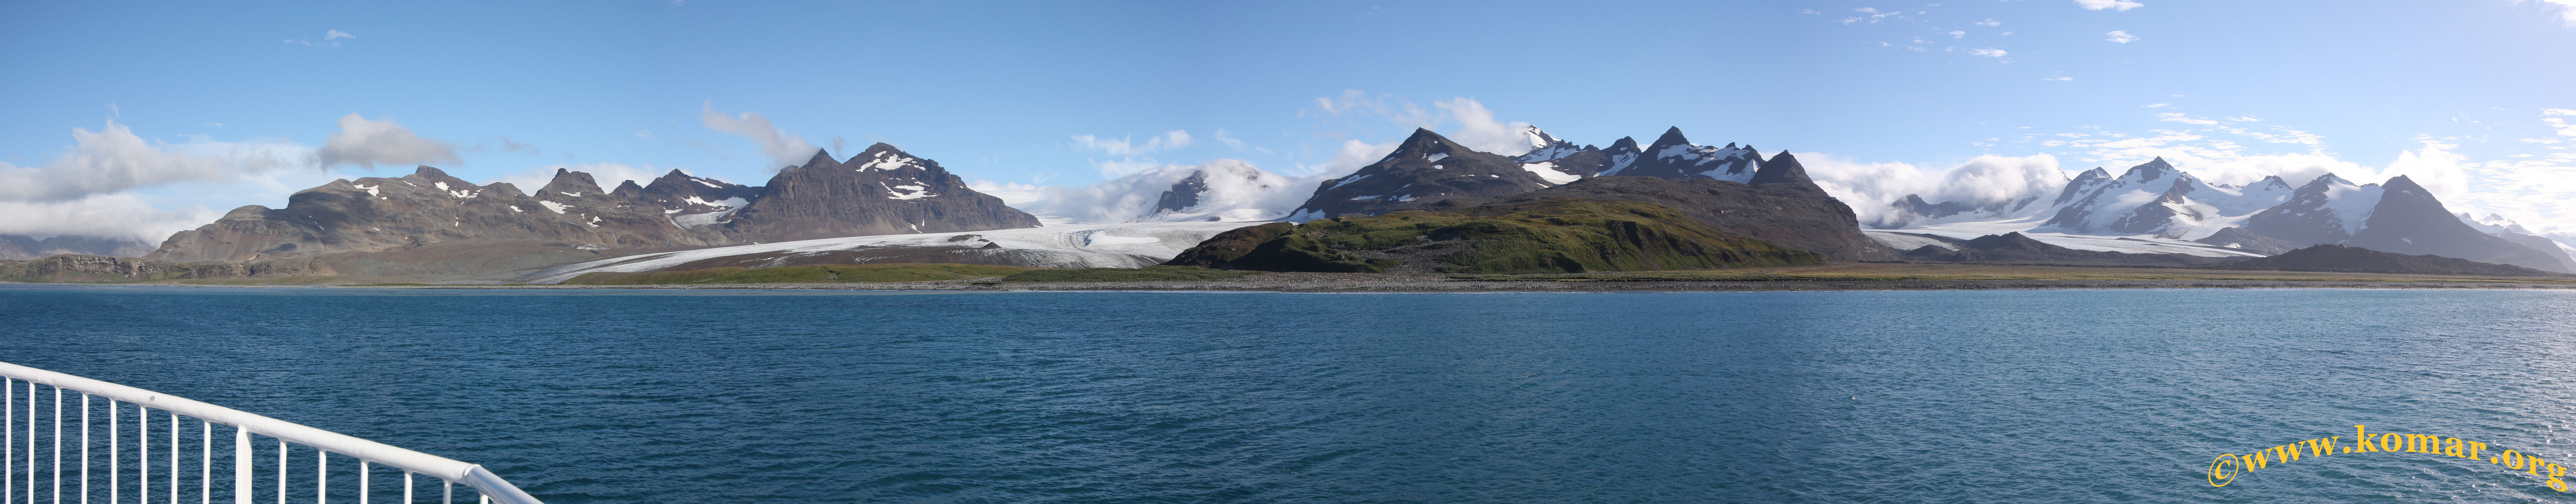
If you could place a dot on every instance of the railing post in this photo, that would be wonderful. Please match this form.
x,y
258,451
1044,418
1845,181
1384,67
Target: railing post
x,y
206,465
241,465
58,445
142,454
321,476
84,472
174,457
281,471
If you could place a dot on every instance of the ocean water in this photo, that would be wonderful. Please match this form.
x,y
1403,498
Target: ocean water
x,y
1917,396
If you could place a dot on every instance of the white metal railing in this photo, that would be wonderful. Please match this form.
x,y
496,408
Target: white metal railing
x,y
21,486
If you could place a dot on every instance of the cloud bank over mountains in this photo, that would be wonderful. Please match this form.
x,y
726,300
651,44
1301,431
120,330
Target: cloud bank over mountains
x,y
97,187
103,183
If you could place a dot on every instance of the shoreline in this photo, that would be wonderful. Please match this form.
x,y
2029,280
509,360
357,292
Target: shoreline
x,y
1836,277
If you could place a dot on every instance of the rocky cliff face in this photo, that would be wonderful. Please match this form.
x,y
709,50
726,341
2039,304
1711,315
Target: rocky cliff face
x,y
884,191
2408,220
378,213
1425,168
879,191
1673,156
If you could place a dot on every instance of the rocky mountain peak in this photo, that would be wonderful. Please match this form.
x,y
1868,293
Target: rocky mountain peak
x,y
1672,136
2151,170
1544,147
2270,183
822,159
884,157
1674,156
568,183
1783,169
1423,144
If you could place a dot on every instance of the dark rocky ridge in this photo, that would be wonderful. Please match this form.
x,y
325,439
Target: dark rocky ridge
x,y
2410,221
881,191
2343,259
1673,156
1549,235
2012,248
29,247
2248,241
1425,168
1788,209
1183,194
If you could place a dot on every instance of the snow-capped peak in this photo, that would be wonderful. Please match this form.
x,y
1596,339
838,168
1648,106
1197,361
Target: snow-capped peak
x,y
1545,147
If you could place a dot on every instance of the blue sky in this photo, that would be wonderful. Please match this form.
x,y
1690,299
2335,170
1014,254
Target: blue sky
x,y
223,97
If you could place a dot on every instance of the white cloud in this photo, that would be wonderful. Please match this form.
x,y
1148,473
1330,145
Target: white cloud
x,y
1356,102
1352,155
2566,9
368,143
1126,146
1958,34
1990,22
1870,188
783,148
2180,118
122,215
2117,5
1233,184
1478,130
1867,187
337,34
1990,53
114,160
2120,37
2057,78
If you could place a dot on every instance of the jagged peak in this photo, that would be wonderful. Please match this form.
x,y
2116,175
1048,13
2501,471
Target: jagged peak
x,y
1625,143
1538,138
2400,183
2152,170
426,171
822,157
571,182
1672,136
2096,172
1781,168
1423,142
883,156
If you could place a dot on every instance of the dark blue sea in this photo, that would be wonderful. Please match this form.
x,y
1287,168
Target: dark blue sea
x,y
1913,396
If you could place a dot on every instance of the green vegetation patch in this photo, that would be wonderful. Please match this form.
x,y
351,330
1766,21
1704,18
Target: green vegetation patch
x,y
1676,276
1555,235
819,273
1146,274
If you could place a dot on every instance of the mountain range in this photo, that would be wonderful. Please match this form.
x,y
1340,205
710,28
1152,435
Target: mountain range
x,y
2155,200
879,191
2153,213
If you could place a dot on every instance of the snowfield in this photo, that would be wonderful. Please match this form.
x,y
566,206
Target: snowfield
x,y
1130,245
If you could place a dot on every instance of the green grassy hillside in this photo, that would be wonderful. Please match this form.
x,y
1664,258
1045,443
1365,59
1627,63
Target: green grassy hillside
x,y
1555,235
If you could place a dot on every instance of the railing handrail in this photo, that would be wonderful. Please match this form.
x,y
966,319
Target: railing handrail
x,y
471,475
